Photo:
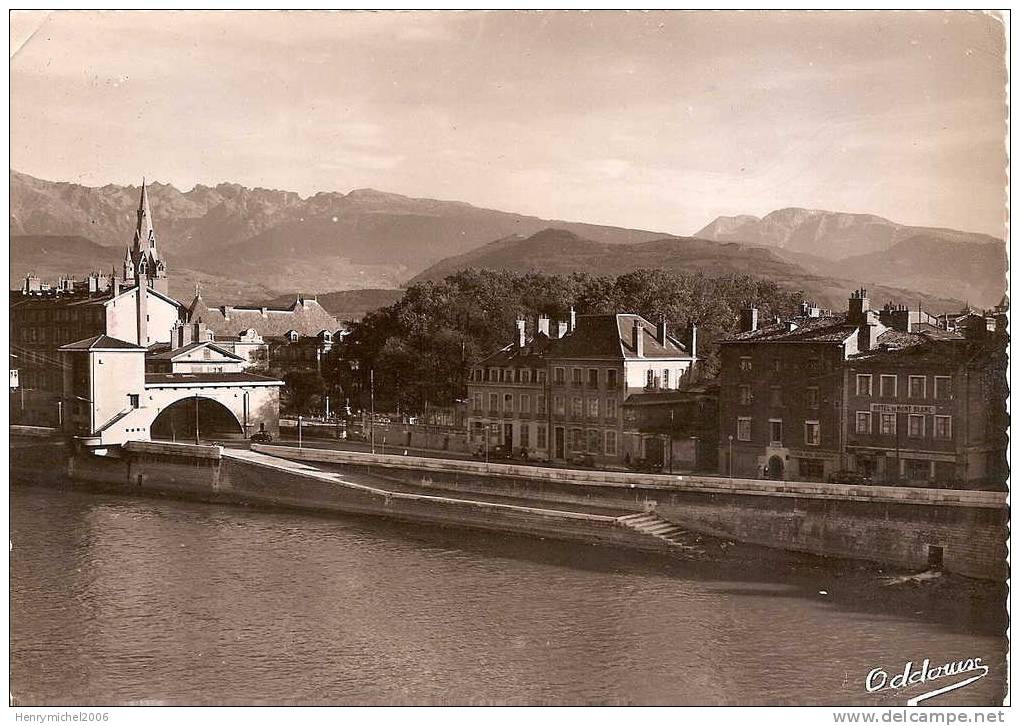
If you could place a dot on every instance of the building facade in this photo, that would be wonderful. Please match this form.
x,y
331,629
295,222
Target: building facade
x,y
559,394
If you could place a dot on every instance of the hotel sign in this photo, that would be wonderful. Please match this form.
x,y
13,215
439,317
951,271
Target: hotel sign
x,y
901,408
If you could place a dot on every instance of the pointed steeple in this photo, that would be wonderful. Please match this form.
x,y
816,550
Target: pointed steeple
x,y
145,235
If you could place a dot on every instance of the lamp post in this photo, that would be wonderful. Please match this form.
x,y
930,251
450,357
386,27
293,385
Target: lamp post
x,y
371,385
731,456
196,421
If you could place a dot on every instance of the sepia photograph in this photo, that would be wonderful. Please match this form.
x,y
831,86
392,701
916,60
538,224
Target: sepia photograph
x,y
494,358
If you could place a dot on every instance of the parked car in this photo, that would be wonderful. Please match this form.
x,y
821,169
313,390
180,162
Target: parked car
x,y
261,437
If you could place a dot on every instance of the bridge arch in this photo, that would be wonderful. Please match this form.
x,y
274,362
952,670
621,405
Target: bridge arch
x,y
214,421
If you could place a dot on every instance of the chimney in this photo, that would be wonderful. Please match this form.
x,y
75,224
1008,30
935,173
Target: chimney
x,y
521,338
660,331
858,307
867,331
694,340
573,320
749,319
637,339
561,329
116,286
542,326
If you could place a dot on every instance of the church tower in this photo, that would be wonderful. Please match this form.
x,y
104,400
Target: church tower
x,y
143,263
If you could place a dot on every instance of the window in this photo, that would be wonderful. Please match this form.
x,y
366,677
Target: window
x,y
594,441
526,375
561,375
665,378
593,377
493,402
508,402
539,403
775,396
811,396
777,365
476,402
943,387
133,400
812,433
915,425
610,443
650,379
888,424
863,384
539,376
887,386
558,405
577,439
745,395
776,431
541,437
744,428
525,403
610,409
577,406
575,376
943,427
918,387
745,363
593,408
611,379
525,435
863,422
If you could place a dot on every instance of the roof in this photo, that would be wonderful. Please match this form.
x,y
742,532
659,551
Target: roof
x,y
305,316
611,336
654,398
178,352
156,379
826,329
531,355
101,342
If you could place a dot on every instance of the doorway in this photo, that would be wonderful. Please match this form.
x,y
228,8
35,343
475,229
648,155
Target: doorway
x,y
776,467
560,443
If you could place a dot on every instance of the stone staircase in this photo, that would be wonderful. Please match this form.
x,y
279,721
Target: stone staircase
x,y
653,525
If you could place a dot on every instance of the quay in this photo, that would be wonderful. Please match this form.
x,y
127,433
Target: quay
x,y
963,532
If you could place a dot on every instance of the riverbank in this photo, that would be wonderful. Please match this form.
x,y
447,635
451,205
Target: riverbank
x,y
910,529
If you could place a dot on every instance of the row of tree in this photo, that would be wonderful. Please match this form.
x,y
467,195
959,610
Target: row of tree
x,y
421,348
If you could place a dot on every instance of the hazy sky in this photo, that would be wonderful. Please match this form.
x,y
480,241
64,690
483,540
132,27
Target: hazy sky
x,y
658,120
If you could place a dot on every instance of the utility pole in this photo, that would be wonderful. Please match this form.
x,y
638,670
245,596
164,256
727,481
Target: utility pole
x,y
196,420
299,431
731,456
371,387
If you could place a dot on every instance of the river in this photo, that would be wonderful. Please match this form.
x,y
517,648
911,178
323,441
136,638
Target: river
x,y
116,600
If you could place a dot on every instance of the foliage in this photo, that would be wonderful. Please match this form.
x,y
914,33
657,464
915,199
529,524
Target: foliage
x,y
304,388
422,346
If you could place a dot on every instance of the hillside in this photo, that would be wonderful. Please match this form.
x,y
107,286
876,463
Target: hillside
x,y
277,239
560,252
346,304
53,256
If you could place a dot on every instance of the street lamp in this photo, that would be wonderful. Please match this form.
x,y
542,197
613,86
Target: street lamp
x,y
731,456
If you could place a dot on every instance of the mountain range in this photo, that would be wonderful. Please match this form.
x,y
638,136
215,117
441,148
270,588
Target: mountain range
x,y
245,245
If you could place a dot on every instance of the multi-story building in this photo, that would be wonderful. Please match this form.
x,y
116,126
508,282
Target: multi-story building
x,y
44,318
559,395
816,394
930,410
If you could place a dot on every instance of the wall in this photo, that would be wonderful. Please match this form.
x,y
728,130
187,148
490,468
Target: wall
x,y
121,320
885,524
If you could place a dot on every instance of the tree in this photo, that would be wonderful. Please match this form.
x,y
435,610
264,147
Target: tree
x,y
303,389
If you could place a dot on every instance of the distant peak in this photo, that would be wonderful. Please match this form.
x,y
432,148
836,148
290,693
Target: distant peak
x,y
551,234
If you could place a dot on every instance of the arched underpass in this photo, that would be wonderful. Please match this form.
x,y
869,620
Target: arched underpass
x,y
178,421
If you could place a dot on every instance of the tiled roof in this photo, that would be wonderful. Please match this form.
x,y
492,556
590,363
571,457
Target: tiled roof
x,y
307,317
828,329
101,342
177,352
155,379
595,336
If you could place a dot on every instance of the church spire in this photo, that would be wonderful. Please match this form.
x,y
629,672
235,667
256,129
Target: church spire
x,y
145,235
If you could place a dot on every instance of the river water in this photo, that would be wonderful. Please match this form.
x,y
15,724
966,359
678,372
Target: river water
x,y
116,600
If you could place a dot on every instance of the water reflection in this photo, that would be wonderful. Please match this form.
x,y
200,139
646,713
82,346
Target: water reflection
x,y
117,600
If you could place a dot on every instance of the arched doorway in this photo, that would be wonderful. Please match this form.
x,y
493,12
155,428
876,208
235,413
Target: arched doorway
x,y
776,467
178,421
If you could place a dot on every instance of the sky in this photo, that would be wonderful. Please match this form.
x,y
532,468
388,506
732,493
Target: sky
x,y
660,120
